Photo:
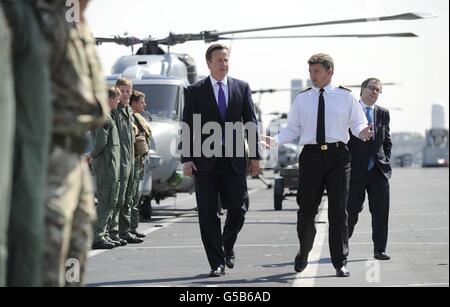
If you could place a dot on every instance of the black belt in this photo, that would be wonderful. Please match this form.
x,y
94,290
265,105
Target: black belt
x,y
68,142
325,147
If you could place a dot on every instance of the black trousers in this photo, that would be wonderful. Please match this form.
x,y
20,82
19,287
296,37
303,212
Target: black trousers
x,y
317,170
377,187
223,182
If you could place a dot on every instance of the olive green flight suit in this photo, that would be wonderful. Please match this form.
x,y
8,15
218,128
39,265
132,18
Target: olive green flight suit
x,y
106,168
120,221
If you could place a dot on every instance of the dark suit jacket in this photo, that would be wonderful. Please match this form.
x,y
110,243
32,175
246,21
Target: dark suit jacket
x,y
200,100
379,148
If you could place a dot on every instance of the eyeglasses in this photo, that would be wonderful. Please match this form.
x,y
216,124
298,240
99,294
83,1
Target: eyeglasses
x,y
374,89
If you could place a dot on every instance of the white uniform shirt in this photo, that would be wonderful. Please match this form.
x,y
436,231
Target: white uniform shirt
x,y
216,88
342,111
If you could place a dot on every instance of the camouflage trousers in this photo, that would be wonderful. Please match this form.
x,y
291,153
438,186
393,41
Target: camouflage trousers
x,y
7,111
69,218
138,176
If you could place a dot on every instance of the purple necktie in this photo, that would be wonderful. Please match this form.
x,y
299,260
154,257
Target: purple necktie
x,y
222,102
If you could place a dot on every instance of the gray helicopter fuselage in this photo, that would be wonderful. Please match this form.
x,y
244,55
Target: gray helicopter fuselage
x,y
152,75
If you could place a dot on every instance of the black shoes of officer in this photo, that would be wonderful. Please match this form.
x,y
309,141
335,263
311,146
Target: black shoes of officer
x,y
229,259
381,256
102,244
301,261
342,272
138,234
132,239
219,271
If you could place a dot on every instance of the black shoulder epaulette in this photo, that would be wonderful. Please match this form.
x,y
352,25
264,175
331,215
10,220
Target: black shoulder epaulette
x,y
306,89
345,88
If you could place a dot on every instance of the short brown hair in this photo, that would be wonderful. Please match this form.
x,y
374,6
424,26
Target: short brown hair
x,y
213,48
123,82
366,83
322,58
136,96
113,92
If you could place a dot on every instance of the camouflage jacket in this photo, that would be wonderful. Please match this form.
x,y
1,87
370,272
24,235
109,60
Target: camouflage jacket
x,y
143,126
78,87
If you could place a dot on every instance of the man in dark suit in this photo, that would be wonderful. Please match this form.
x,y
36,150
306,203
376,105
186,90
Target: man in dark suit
x,y
220,167
371,170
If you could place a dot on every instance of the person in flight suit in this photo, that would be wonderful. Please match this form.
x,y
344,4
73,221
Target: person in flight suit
x,y
371,169
106,168
119,228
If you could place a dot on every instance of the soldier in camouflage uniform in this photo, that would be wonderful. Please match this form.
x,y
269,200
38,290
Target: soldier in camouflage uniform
x,y
119,228
7,107
32,137
80,104
144,132
106,155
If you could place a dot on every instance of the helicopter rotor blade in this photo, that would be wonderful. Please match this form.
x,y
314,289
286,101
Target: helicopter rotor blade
x,y
212,36
405,16
403,34
120,40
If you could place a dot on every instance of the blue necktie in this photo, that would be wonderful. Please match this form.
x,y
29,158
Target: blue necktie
x,y
222,102
370,120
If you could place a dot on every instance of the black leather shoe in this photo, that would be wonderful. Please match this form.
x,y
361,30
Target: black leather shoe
x,y
131,239
138,234
122,241
229,260
102,244
301,261
217,272
116,243
381,256
342,272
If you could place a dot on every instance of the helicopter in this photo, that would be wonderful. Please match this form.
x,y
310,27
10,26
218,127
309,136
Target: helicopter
x,y
164,76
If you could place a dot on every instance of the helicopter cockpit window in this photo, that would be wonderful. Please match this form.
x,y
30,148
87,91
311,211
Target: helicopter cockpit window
x,y
161,100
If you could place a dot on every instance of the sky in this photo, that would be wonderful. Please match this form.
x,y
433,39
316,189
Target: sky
x,y
420,66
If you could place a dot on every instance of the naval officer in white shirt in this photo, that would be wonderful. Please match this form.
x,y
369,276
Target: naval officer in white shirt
x,y
322,116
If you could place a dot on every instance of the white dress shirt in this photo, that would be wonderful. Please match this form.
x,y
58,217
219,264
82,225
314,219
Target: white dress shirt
x,y
342,111
216,88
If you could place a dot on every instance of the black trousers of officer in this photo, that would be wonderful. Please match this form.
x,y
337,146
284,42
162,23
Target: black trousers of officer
x,y
377,187
232,189
319,169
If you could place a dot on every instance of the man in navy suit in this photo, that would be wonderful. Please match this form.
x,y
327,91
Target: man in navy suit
x,y
371,169
220,167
